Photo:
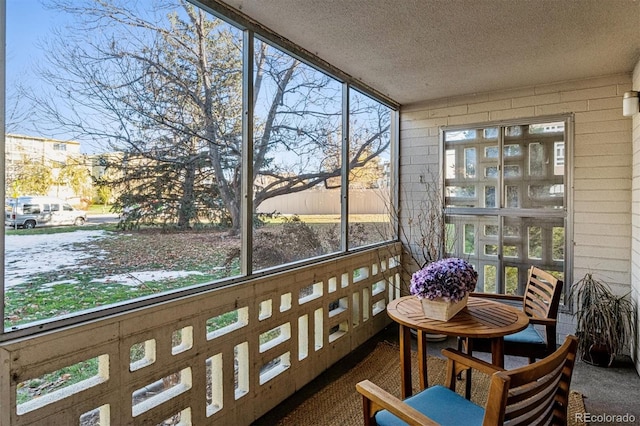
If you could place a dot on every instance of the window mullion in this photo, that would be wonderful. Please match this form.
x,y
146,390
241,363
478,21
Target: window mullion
x,y
344,187
246,201
395,174
500,184
501,196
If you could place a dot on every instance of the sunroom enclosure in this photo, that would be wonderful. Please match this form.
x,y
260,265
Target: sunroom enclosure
x,y
315,312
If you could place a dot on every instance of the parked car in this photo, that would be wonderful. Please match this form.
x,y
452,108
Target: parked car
x,y
31,211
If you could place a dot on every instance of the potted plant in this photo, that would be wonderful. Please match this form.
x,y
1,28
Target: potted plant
x,y
604,321
444,287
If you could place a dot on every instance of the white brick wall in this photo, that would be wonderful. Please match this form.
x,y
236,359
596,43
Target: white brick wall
x,y
602,160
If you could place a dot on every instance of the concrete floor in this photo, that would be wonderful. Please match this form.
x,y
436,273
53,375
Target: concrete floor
x,y
613,391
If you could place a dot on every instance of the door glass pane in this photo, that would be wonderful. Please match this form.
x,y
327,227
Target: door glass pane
x,y
491,133
469,238
536,159
535,242
450,163
491,152
491,172
513,197
512,171
490,196
558,243
489,279
470,162
511,280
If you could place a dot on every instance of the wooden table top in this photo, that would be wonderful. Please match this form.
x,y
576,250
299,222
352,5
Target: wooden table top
x,y
481,318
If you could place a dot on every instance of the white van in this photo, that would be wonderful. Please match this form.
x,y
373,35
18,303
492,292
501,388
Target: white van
x,y
31,211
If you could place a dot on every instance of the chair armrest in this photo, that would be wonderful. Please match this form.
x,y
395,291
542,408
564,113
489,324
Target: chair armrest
x,y
465,361
542,321
375,398
496,296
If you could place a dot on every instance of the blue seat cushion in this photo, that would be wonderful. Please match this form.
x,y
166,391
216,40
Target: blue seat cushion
x,y
441,405
528,335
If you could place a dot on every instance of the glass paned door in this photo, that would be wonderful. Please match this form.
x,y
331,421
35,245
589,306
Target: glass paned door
x,y
504,191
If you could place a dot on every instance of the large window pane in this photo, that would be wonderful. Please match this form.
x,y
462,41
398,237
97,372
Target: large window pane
x,y
471,167
132,112
369,171
129,117
476,239
297,160
521,174
534,166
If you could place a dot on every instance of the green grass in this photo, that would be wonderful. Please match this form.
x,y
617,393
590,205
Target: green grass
x,y
69,290
59,229
99,209
221,321
39,300
51,382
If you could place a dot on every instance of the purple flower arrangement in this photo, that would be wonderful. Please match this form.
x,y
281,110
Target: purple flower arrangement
x,y
450,278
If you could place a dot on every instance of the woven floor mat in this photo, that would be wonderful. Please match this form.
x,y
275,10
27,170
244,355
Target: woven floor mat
x,y
338,403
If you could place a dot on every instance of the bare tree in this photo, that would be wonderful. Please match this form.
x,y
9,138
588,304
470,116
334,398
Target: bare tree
x,y
16,113
422,226
164,87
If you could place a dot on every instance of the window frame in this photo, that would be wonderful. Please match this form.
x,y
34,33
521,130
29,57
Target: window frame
x,y
501,212
251,30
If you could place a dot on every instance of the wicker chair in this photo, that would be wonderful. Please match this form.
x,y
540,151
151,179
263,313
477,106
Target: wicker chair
x,y
537,393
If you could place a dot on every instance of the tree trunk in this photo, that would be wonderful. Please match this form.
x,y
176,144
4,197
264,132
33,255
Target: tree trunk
x,y
187,208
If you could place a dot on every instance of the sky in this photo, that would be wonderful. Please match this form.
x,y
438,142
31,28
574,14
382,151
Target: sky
x,y
28,24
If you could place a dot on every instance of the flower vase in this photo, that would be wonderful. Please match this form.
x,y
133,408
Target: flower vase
x,y
443,310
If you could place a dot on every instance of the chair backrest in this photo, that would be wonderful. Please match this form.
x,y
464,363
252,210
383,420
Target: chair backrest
x,y
537,393
542,294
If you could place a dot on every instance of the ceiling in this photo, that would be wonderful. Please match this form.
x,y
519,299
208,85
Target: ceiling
x,y
417,50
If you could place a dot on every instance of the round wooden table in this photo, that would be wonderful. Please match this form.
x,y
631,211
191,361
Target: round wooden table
x,y
481,318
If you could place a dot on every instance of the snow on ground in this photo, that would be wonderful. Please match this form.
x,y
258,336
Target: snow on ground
x,y
137,278
29,255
